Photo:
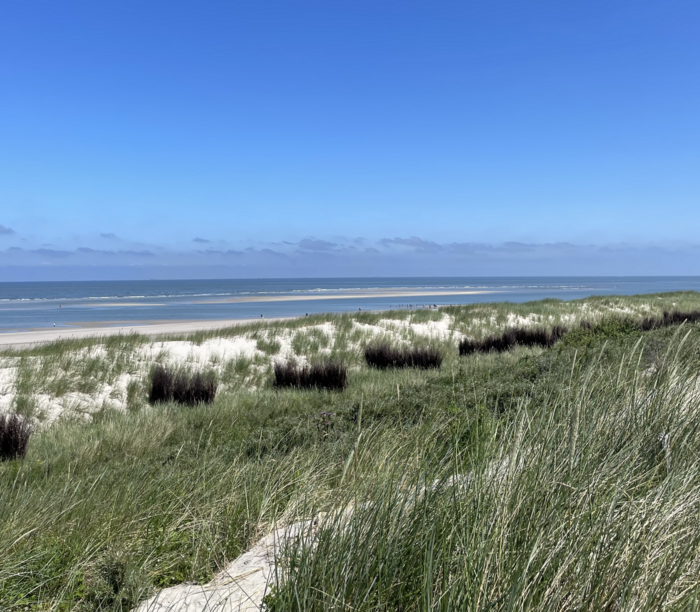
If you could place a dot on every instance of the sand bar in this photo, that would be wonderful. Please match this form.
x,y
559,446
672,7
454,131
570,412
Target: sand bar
x,y
25,339
346,295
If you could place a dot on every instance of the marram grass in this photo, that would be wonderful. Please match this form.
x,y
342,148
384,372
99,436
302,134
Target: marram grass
x,y
590,501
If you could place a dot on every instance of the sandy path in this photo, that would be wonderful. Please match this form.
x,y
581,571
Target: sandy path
x,y
28,338
240,587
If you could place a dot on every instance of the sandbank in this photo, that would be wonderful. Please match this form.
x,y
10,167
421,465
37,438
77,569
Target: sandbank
x,y
345,295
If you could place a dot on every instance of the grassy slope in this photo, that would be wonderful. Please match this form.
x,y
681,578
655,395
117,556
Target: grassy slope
x,y
590,512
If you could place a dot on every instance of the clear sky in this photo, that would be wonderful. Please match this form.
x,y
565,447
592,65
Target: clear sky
x,y
347,137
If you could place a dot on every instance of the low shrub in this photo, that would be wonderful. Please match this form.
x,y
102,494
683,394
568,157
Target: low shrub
x,y
182,387
14,436
514,336
329,375
383,356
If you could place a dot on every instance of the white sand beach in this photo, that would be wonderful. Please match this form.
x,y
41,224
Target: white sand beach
x,y
27,338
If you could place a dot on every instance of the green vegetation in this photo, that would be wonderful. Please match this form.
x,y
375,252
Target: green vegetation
x,y
535,479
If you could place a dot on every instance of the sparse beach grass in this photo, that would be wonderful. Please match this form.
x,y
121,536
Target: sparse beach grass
x,y
561,478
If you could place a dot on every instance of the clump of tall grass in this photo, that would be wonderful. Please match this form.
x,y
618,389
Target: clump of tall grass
x,y
512,337
586,502
182,387
384,356
15,432
328,375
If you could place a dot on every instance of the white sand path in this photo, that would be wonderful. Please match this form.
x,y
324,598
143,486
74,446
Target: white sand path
x,y
240,587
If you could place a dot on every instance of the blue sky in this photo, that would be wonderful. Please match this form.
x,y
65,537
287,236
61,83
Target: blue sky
x,y
348,137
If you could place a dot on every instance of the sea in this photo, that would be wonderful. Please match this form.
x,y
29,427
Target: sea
x,y
36,305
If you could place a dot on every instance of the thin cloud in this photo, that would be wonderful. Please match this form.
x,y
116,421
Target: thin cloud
x,y
311,244
94,251
201,240
109,236
138,253
273,253
411,256
6,231
418,244
52,253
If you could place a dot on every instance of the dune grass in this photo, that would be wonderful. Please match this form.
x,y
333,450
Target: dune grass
x,y
587,501
555,478
514,336
14,436
327,375
383,356
182,387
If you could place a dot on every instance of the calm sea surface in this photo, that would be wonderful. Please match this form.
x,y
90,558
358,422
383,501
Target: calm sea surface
x,y
43,304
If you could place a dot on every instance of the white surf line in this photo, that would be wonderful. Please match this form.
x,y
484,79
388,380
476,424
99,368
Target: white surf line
x,y
341,296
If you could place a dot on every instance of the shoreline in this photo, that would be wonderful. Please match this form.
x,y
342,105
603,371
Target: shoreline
x,y
346,295
29,338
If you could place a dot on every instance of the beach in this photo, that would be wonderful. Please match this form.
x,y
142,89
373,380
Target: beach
x,y
23,339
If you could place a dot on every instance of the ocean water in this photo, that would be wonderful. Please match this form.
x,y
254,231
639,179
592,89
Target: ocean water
x,y
66,304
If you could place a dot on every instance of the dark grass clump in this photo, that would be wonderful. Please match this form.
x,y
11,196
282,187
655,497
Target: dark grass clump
x,y
425,358
181,387
383,356
14,436
615,326
331,376
670,318
510,338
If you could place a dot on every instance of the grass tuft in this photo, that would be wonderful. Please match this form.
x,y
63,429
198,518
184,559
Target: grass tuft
x,y
383,356
181,387
510,338
14,436
329,375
